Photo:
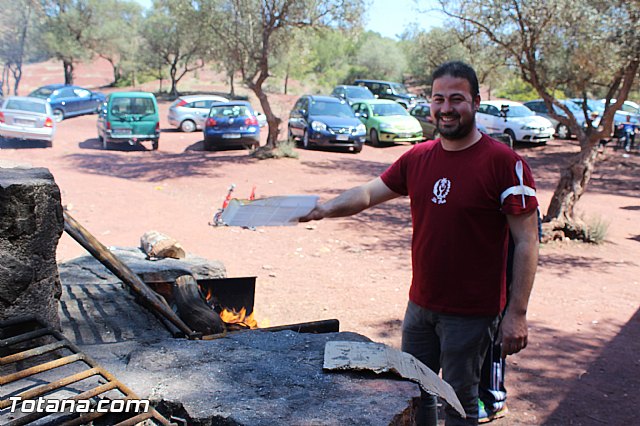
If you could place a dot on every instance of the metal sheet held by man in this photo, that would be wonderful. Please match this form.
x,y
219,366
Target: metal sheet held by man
x,y
380,358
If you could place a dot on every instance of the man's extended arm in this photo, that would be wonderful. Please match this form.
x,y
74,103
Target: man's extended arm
x,y
353,201
524,230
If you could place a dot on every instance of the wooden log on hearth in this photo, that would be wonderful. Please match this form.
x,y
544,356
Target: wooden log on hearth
x,y
193,309
159,245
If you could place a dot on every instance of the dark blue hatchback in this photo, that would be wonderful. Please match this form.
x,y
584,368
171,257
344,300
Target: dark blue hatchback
x,y
68,101
326,121
231,124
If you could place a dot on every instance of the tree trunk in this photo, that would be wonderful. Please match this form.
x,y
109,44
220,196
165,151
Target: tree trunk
x,y
174,81
232,89
17,76
573,182
286,80
273,122
68,71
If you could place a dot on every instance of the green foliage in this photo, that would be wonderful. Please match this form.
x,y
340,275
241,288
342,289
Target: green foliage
x,y
517,90
428,49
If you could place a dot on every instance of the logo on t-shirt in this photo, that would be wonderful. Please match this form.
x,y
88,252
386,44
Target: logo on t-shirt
x,y
441,190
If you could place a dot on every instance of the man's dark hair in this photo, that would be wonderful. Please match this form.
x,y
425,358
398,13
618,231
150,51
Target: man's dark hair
x,y
458,69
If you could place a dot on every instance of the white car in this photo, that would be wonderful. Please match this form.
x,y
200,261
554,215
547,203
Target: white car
x,y
188,113
514,119
27,119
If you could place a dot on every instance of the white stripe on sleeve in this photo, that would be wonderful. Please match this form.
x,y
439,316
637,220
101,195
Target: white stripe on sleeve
x,y
517,190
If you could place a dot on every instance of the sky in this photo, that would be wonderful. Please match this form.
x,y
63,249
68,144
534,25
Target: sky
x,y
390,17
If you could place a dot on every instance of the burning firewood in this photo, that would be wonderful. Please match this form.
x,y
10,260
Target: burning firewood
x,y
193,309
159,245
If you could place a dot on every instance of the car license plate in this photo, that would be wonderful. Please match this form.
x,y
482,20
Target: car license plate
x,y
231,136
121,131
342,137
405,135
27,123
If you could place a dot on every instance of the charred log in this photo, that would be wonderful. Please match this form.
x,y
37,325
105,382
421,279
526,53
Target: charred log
x,y
193,309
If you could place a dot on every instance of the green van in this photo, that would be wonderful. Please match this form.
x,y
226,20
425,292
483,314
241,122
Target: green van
x,y
130,117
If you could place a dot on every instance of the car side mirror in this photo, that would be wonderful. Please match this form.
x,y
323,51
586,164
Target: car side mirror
x,y
388,92
302,111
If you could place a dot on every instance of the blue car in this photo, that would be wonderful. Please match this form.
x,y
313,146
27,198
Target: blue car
x,y
69,101
326,121
231,124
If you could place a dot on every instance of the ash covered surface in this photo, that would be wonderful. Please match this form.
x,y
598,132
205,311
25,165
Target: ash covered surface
x,y
247,378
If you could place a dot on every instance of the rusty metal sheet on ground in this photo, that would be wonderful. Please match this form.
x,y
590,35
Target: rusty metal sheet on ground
x,y
380,358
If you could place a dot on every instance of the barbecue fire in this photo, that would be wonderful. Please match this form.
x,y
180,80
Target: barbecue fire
x,y
236,318
231,316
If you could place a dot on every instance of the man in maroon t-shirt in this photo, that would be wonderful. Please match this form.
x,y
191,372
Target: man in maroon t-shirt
x,y
467,193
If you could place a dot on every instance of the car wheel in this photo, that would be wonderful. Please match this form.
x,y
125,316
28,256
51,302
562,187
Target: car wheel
x,y
512,137
563,131
58,115
207,145
187,126
373,137
105,143
154,144
357,149
305,140
290,136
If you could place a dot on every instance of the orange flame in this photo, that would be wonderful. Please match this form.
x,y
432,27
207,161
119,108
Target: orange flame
x,y
231,316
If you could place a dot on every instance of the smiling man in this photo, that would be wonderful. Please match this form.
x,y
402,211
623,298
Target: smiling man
x,y
467,192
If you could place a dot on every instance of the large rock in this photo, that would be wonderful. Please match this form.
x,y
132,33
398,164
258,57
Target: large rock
x,y
87,269
31,223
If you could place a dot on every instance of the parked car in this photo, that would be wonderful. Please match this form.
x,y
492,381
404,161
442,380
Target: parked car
x,y
627,106
387,122
597,107
231,124
515,120
325,121
562,131
422,113
390,90
188,113
129,117
26,118
352,93
69,101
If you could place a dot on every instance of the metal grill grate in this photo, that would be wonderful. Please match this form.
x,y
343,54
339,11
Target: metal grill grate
x,y
39,362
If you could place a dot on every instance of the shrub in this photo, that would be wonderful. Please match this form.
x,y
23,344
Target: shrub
x,y
597,229
284,149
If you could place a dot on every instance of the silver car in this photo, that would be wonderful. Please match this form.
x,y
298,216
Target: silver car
x,y
23,117
188,113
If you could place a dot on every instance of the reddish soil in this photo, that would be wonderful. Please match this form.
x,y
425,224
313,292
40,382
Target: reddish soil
x,y
582,365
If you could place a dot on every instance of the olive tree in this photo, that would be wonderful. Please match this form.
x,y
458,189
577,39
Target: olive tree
x,y
117,35
169,35
574,47
257,31
67,32
17,25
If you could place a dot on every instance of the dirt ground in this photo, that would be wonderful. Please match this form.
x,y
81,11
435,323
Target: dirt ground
x,y
583,361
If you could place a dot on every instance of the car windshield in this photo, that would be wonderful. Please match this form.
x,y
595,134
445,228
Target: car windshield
x,y
388,109
230,111
122,106
43,92
25,105
334,109
359,92
399,88
519,111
